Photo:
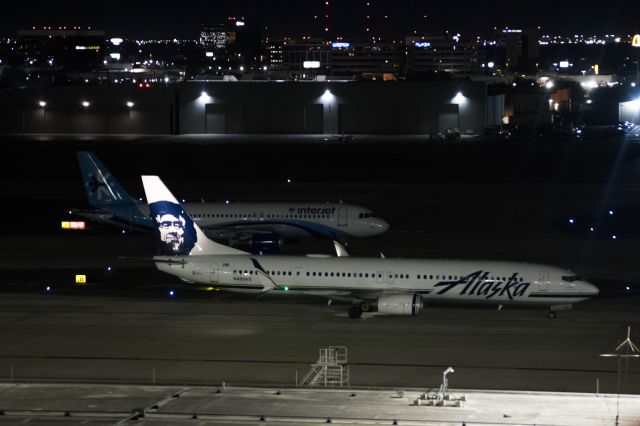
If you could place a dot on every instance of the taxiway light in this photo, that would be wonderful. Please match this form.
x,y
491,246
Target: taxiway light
x,y
86,104
171,293
130,104
42,104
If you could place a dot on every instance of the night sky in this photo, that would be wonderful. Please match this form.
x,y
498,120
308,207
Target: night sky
x,y
182,19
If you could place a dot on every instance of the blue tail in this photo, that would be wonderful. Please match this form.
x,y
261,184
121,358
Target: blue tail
x,y
102,188
105,194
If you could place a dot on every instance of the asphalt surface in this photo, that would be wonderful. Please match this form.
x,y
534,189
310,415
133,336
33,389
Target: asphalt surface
x,y
476,200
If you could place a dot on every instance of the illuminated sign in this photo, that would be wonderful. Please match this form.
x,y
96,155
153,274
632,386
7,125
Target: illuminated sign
x,y
115,56
340,45
311,64
96,48
239,23
81,279
422,44
564,64
116,41
209,54
79,225
636,41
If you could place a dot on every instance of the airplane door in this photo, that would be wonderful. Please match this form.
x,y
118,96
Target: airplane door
x,y
214,273
543,281
342,216
390,278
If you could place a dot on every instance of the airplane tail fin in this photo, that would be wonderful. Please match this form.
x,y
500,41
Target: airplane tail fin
x,y
177,233
102,189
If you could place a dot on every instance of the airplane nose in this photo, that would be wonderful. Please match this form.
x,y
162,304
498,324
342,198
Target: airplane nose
x,y
589,289
381,225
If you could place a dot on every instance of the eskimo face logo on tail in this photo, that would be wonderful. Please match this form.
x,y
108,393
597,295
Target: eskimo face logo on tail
x,y
177,235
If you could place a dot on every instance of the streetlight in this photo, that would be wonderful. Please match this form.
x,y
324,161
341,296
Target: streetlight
x,y
130,105
85,105
43,104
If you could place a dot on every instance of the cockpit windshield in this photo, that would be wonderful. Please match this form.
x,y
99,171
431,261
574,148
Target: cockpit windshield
x,y
571,278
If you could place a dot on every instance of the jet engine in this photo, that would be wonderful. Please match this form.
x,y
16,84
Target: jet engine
x,y
400,304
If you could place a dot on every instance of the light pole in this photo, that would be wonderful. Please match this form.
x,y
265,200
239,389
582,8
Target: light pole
x,y
43,105
130,105
86,105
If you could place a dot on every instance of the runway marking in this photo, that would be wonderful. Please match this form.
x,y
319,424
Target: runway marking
x,y
274,362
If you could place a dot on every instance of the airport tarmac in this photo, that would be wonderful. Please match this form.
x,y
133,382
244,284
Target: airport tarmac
x,y
178,405
208,337
478,201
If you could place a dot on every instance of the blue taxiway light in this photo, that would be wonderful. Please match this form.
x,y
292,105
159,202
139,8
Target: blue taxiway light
x,y
48,288
610,212
571,221
614,237
171,293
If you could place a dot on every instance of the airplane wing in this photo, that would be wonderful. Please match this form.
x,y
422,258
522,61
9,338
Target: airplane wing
x,y
242,231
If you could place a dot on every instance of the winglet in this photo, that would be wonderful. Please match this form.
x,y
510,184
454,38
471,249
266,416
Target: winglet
x,y
341,251
267,283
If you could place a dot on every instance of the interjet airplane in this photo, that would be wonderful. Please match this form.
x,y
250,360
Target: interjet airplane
x,y
260,227
388,286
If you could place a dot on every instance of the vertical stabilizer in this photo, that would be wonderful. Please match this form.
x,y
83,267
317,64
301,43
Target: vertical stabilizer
x,y
177,233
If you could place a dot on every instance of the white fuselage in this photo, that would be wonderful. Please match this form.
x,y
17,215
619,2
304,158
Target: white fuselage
x,y
291,219
463,281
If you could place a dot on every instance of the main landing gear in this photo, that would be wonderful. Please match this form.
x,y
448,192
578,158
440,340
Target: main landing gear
x,y
355,312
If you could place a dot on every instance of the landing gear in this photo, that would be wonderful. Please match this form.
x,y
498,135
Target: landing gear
x,y
553,309
355,312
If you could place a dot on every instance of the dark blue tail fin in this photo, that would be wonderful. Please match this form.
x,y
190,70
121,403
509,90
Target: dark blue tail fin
x,y
102,188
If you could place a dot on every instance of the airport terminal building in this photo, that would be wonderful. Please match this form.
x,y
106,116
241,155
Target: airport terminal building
x,y
250,108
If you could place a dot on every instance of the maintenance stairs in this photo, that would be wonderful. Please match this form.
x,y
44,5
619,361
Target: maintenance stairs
x,y
330,370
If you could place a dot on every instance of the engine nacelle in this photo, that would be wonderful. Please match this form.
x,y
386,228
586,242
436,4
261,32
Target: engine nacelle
x,y
400,304
266,243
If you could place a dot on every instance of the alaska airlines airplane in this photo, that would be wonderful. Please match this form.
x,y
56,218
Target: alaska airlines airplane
x,y
262,227
389,286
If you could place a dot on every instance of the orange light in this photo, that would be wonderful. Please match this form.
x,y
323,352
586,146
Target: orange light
x,y
75,225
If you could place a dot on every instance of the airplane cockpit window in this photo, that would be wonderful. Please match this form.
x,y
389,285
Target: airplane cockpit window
x,y
571,278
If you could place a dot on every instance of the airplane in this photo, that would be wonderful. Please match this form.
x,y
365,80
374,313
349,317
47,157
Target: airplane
x,y
388,286
262,227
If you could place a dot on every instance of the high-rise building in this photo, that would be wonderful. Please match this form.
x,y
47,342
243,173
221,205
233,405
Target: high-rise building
x,y
522,48
442,54
215,36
